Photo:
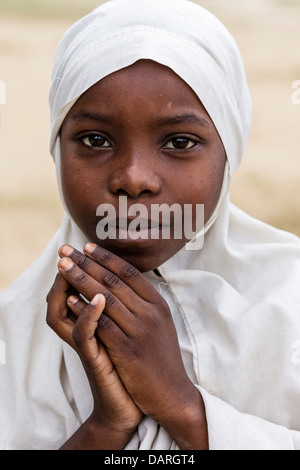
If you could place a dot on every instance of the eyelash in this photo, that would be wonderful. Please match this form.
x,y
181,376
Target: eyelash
x,y
89,136
178,138
182,139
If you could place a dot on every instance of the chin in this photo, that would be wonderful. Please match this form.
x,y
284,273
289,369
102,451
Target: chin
x,y
142,257
144,263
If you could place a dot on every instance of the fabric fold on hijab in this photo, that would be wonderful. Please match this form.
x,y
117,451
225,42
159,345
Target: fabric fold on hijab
x,y
235,303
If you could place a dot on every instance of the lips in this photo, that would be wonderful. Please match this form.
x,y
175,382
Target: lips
x,y
138,229
132,229
143,234
137,222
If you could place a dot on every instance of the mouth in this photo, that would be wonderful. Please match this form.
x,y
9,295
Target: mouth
x,y
133,230
138,230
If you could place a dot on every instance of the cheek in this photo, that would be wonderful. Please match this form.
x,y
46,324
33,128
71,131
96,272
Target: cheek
x,y
82,191
214,185
204,186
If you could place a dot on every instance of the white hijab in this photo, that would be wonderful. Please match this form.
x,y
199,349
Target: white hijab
x,y
237,298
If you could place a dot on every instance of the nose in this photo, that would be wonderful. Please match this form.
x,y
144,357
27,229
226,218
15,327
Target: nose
x,y
135,175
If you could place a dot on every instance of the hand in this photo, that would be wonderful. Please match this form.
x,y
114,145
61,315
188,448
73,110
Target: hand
x,y
139,335
115,414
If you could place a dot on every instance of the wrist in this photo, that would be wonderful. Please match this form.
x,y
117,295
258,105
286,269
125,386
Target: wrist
x,y
186,423
120,431
95,435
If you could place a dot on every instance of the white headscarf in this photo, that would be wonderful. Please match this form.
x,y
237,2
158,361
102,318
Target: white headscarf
x,y
235,302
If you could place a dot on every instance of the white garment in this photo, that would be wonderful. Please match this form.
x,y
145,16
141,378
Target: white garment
x,y
235,303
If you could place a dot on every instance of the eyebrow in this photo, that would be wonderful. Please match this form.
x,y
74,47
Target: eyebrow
x,y
185,119
89,116
180,119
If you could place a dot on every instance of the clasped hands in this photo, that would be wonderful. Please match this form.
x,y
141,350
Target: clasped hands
x,y
123,331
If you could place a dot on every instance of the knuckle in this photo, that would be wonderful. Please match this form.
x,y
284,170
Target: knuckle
x,y
51,294
50,320
77,337
104,322
110,279
130,272
109,299
80,278
133,351
103,256
81,308
82,262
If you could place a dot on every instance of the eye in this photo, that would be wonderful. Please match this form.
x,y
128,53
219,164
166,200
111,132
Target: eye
x,y
95,141
180,143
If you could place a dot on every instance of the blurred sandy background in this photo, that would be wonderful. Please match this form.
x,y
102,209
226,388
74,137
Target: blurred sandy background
x,y
268,184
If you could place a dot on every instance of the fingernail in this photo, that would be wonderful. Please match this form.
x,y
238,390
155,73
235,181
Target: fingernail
x,y
90,248
73,300
66,250
97,299
65,264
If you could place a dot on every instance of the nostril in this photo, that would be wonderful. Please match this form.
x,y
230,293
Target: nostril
x,y
132,194
122,192
133,181
146,191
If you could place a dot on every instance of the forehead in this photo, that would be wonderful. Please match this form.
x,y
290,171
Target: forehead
x,y
145,86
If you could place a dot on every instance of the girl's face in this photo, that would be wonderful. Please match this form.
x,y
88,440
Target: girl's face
x,y
141,133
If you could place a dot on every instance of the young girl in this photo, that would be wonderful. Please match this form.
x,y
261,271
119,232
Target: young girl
x,y
152,344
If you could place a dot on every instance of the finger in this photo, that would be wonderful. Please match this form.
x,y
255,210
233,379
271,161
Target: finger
x,y
86,325
76,305
123,270
106,278
92,319
59,289
88,345
57,316
89,287
81,281
83,262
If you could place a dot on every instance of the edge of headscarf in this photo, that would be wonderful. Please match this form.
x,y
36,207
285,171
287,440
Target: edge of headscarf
x,y
62,97
243,128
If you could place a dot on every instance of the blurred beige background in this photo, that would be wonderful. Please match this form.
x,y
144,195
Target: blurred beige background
x,y
268,184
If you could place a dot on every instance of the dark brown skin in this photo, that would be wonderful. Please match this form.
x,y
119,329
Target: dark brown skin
x,y
151,150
